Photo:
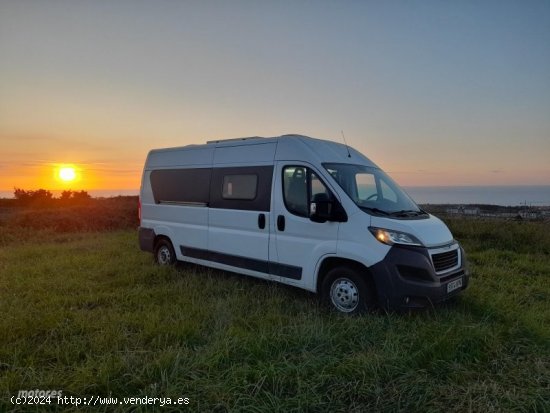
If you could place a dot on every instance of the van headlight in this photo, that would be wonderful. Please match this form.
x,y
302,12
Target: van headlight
x,y
391,237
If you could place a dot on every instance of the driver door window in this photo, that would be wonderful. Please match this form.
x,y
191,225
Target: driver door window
x,y
301,186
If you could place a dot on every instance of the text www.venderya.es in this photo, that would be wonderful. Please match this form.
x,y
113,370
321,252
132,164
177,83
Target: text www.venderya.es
x,y
49,397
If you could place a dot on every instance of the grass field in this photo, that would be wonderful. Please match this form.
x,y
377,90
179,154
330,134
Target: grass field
x,y
88,313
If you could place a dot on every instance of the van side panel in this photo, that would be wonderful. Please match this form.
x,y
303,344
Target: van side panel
x,y
239,217
179,222
184,225
235,239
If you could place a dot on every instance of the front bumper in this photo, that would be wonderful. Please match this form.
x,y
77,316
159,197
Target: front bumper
x,y
406,277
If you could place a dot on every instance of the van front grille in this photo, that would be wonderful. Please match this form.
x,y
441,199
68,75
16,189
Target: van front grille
x,y
445,260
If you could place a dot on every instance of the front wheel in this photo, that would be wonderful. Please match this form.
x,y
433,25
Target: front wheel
x,y
348,291
164,253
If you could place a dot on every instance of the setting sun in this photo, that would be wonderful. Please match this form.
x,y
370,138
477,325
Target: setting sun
x,y
67,174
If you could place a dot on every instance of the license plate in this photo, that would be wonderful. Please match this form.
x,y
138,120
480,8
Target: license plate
x,y
453,285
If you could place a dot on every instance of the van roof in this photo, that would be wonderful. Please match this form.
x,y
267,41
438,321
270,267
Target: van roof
x,y
243,141
284,147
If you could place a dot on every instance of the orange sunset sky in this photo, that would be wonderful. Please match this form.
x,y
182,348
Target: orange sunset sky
x,y
436,93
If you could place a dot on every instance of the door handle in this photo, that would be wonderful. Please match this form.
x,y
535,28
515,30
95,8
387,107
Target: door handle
x,y
281,222
261,221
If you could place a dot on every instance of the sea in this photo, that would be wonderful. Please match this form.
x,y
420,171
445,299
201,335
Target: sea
x,y
94,193
536,195
529,195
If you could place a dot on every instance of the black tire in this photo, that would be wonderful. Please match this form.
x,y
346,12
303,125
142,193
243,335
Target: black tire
x,y
348,291
164,252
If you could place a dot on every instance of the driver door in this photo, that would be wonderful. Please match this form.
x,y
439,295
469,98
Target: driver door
x,y
299,243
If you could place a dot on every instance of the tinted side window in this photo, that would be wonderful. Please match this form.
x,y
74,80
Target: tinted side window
x,y
245,188
181,185
239,187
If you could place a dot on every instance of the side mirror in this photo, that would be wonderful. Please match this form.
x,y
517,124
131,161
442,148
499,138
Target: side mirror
x,y
320,210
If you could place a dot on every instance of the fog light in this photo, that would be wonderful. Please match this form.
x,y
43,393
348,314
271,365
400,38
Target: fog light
x,y
407,299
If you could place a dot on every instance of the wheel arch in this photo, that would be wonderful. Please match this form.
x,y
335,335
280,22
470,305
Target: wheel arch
x,y
159,237
331,262
162,232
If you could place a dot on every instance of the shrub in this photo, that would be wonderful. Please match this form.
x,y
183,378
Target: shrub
x,y
38,198
91,215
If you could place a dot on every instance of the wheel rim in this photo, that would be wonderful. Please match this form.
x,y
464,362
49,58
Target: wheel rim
x,y
344,295
163,255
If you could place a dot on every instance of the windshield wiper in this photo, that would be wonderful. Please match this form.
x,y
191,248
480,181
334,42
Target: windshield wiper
x,y
407,213
376,210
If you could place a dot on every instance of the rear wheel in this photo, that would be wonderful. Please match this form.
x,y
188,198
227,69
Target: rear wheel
x,y
164,252
348,291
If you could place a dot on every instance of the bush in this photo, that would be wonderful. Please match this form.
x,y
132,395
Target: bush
x,y
74,197
39,197
74,216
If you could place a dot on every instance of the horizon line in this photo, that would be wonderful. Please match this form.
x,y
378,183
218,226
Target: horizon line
x,y
404,186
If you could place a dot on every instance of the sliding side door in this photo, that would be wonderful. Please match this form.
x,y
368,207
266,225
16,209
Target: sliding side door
x,y
239,218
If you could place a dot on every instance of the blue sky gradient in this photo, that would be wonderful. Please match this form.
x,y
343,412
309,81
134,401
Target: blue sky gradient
x,y
435,92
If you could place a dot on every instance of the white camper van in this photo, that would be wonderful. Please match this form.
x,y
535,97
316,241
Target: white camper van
x,y
307,212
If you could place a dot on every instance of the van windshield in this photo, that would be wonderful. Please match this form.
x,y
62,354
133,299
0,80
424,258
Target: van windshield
x,y
373,191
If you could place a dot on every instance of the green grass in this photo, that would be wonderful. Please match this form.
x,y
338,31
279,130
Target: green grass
x,y
92,315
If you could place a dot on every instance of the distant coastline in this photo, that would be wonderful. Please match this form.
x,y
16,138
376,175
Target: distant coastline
x,y
512,195
98,193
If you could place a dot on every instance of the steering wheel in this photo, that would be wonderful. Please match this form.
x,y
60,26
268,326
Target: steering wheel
x,y
372,196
